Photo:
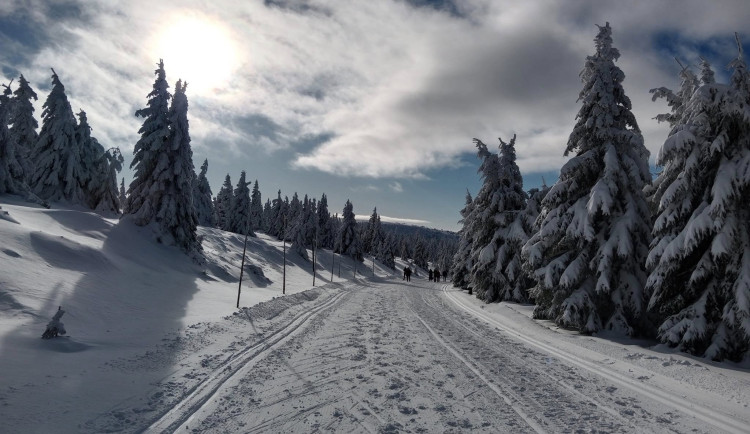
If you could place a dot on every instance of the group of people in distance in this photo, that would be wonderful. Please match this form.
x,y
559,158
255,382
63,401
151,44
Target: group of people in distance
x,y
434,275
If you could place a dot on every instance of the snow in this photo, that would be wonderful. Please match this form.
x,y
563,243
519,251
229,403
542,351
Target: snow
x,y
155,343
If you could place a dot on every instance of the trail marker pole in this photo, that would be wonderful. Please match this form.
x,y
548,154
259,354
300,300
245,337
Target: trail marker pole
x,y
242,269
313,258
283,284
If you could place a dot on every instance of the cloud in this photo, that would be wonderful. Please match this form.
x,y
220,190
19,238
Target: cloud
x,y
386,89
405,221
396,186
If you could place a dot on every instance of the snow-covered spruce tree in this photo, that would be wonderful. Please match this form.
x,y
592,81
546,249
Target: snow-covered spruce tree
x,y
99,168
419,253
149,159
386,251
325,236
497,265
23,125
223,206
276,217
176,215
700,256
256,208
347,241
590,251
58,171
122,196
480,224
239,214
202,198
405,251
525,226
293,210
11,168
299,228
161,191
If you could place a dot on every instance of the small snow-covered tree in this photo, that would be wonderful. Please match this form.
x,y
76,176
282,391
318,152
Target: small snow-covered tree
x,y
256,208
223,206
239,214
122,196
23,126
347,241
58,171
700,255
590,251
204,208
461,266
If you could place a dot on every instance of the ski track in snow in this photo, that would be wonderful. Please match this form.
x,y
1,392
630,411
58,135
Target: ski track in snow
x,y
387,357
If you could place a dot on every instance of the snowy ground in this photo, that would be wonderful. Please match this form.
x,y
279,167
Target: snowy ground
x,y
156,344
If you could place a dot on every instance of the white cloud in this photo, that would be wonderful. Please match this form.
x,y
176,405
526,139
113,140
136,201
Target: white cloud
x,y
398,90
396,186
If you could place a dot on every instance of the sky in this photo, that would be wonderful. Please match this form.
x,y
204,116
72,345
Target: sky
x,y
376,101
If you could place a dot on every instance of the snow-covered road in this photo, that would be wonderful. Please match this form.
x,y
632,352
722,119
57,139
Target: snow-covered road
x,y
417,357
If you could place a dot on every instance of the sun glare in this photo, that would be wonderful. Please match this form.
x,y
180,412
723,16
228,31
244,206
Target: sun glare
x,y
198,50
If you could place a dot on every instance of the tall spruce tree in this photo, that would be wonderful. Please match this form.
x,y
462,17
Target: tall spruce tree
x,y
11,167
176,215
58,172
123,195
256,208
325,234
150,153
590,251
204,208
239,215
223,206
497,267
24,125
461,266
700,255
348,242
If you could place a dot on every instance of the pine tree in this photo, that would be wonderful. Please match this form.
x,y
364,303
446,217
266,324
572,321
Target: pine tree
x,y
58,172
276,217
299,229
204,208
348,242
497,265
256,208
149,159
325,234
266,215
526,225
11,167
223,207
419,253
461,267
176,214
100,188
590,251
123,196
239,215
700,255
23,126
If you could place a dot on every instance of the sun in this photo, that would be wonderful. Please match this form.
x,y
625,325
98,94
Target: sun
x,y
199,50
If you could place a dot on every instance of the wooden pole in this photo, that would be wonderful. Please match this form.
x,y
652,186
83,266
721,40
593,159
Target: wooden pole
x,y
242,269
283,284
313,259
333,262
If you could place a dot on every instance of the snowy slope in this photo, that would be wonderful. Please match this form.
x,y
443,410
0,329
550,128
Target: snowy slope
x,y
156,343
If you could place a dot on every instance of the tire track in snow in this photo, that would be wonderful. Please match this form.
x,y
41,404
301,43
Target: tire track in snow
x,y
182,413
719,420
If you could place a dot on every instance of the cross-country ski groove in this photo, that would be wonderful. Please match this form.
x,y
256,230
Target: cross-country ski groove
x,y
719,420
181,412
570,388
503,394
